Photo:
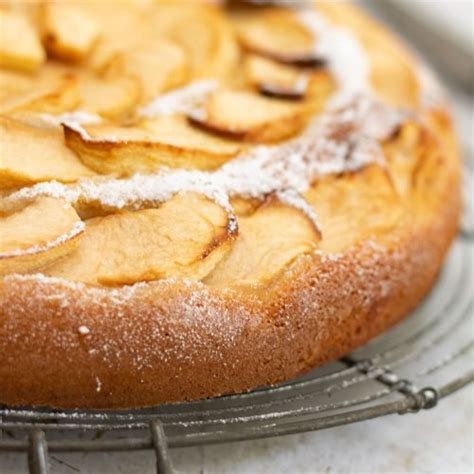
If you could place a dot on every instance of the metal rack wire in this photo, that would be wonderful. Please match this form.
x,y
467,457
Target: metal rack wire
x,y
410,368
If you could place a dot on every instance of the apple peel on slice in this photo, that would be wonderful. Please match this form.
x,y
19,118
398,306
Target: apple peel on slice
x,y
278,34
284,81
185,237
37,235
167,141
243,115
269,240
274,79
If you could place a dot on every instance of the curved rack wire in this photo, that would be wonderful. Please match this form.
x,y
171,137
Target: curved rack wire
x,y
411,367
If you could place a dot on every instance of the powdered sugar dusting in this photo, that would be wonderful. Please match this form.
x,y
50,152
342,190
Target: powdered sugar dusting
x,y
199,315
183,100
78,117
346,57
105,332
296,200
346,137
343,139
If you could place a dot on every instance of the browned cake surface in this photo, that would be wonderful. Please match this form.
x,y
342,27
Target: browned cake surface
x,y
166,237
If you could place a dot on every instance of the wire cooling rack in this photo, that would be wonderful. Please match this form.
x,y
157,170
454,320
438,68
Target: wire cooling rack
x,y
410,368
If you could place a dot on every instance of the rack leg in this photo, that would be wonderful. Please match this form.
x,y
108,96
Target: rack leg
x,y
160,445
38,453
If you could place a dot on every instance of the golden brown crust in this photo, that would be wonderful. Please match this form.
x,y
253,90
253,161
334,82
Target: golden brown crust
x,y
69,345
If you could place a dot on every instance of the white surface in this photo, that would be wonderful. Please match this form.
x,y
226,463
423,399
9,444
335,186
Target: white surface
x,y
453,17
436,441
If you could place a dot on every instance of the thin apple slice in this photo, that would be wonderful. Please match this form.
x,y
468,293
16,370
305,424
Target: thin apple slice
x,y
20,47
284,81
49,92
166,141
364,205
205,34
113,28
31,154
37,235
278,34
186,237
110,97
159,63
59,88
274,79
13,86
69,32
147,53
246,116
269,240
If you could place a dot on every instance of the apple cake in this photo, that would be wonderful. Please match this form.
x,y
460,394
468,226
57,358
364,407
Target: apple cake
x,y
199,199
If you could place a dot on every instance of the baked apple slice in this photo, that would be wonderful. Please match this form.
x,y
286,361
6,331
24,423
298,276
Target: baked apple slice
x,y
69,33
274,79
246,116
185,237
160,64
363,205
204,33
51,92
110,97
129,44
36,235
277,33
30,154
269,240
166,141
288,82
20,47
119,32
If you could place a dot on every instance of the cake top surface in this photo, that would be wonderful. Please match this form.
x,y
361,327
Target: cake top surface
x,y
193,149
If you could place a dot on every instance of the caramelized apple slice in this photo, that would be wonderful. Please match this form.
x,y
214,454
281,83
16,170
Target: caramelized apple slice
x,y
165,141
362,206
109,97
49,92
30,155
247,116
69,32
205,34
186,237
113,39
278,34
20,47
274,79
130,44
160,64
288,82
38,234
269,240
